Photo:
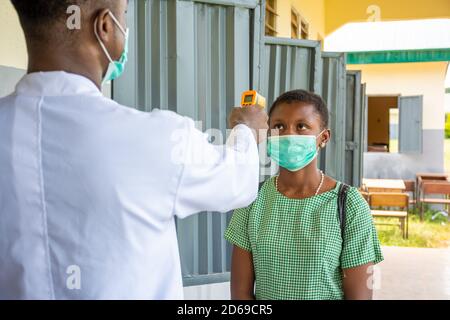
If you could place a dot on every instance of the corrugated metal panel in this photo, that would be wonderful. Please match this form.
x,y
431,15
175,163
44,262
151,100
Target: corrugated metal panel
x,y
192,57
286,64
290,64
364,121
334,94
410,139
353,126
196,58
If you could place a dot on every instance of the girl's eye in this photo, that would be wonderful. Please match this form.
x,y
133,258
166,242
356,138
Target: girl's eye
x,y
301,126
278,126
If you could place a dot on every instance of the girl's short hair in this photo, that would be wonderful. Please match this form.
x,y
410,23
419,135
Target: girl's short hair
x,y
306,97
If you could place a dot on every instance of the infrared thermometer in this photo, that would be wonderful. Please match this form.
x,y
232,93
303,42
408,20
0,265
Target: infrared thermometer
x,y
252,98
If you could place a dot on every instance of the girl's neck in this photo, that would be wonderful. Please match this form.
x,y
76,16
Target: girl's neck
x,y
302,182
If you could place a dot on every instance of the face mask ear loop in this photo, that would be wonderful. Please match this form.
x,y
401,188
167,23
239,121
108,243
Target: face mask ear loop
x,y
321,133
101,42
319,147
118,23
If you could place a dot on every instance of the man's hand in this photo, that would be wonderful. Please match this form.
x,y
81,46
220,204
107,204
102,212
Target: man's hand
x,y
254,118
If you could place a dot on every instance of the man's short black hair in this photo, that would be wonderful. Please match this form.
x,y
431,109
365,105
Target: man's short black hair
x,y
42,11
305,97
38,16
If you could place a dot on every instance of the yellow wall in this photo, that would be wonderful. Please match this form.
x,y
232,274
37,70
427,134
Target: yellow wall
x,y
313,11
339,12
14,51
409,79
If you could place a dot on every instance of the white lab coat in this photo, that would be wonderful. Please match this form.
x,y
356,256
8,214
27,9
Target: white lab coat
x,y
89,190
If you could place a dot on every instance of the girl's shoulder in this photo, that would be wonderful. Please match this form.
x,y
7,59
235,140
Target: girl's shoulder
x,y
355,202
266,188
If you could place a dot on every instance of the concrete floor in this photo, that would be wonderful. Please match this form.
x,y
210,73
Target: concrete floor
x,y
413,273
405,274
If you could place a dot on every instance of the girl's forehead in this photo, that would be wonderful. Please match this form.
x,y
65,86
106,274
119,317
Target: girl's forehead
x,y
294,109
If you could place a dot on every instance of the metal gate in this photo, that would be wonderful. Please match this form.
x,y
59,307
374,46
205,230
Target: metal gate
x,y
334,94
194,58
290,64
355,123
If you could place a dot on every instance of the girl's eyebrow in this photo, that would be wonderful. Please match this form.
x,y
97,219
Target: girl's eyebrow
x,y
305,120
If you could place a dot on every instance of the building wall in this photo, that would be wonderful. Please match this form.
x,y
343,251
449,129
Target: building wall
x,y
14,51
340,12
313,11
409,79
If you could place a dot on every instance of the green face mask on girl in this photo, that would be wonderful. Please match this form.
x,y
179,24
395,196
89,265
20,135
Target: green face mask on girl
x,y
293,152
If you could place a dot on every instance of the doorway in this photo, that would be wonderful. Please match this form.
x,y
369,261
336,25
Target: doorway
x,y
383,124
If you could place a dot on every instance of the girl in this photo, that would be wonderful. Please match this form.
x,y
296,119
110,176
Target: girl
x,y
288,243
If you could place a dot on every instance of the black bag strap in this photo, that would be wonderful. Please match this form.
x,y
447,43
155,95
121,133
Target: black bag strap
x,y
260,185
342,200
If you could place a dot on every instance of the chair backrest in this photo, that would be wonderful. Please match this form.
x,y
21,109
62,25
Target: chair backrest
x,y
410,185
365,195
389,199
435,187
432,177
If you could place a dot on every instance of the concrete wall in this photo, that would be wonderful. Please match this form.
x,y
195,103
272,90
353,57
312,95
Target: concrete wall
x,y
14,51
408,79
405,166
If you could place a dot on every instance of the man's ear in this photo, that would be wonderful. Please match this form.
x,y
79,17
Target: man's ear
x,y
104,26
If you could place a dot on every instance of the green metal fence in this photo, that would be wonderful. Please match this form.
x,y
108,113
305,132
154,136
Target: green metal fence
x,y
196,58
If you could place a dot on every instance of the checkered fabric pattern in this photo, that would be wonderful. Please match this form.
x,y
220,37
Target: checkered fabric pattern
x,y
296,244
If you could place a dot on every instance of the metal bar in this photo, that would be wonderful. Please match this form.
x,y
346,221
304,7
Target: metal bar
x,y
292,42
199,280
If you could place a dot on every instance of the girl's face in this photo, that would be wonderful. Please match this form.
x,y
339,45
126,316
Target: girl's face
x,y
297,118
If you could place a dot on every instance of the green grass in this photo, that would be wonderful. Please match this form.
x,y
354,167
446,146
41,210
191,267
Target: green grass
x,y
426,234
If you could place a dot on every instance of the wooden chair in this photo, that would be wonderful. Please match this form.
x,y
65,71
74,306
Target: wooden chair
x,y
391,200
365,195
411,188
434,187
428,177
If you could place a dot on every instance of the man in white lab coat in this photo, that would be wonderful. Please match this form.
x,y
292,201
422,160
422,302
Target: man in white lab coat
x,y
89,189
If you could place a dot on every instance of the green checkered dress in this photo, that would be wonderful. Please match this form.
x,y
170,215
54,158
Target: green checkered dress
x,y
296,244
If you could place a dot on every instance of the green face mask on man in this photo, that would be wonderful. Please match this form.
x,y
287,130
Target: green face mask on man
x,y
115,68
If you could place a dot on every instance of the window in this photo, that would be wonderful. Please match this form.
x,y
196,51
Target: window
x,y
304,29
271,16
299,26
294,24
